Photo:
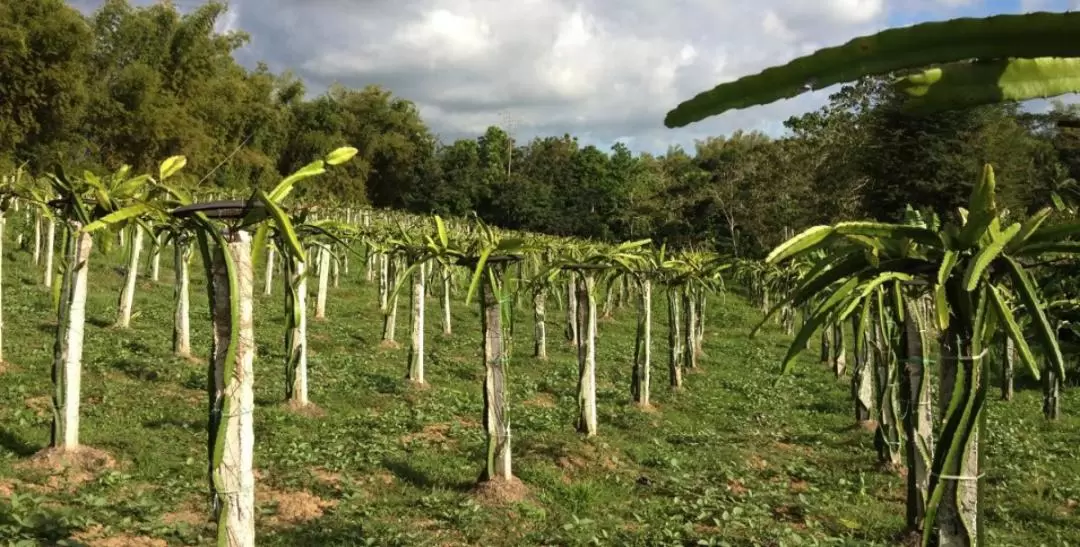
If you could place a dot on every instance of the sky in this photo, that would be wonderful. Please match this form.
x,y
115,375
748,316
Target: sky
x,y
603,70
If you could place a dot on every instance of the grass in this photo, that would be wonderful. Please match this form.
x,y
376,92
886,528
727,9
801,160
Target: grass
x,y
731,460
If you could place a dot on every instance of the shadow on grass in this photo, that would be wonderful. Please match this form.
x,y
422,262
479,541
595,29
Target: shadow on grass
x,y
466,372
138,348
318,533
16,445
825,407
136,370
263,401
383,383
31,524
175,422
1051,520
99,322
407,472
547,450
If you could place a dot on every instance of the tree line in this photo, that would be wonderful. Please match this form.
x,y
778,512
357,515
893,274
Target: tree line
x,y
129,85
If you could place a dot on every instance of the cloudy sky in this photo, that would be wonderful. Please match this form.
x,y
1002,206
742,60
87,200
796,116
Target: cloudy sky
x,y
603,70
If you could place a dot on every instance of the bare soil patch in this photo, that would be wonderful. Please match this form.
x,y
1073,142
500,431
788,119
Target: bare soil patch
x,y
310,410
189,518
389,344
571,462
788,447
384,478
756,462
293,507
500,491
611,463
97,536
868,425
327,477
540,400
647,408
8,487
797,486
417,386
737,487
69,469
893,468
431,434
706,530
42,405
586,458
190,514
1066,509
467,422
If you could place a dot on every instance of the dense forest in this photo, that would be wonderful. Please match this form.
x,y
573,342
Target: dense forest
x,y
131,85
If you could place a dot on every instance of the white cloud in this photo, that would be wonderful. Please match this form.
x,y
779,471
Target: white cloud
x,y
775,27
604,70
857,11
599,69
447,36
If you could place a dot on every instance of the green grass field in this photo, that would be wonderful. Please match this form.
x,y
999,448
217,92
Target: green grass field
x,y
731,460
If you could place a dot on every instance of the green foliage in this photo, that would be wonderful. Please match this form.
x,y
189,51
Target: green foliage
x,y
991,39
967,269
966,84
729,459
152,82
43,101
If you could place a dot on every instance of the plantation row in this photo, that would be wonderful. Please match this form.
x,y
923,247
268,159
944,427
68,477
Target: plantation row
x,y
856,280
962,280
497,269
919,302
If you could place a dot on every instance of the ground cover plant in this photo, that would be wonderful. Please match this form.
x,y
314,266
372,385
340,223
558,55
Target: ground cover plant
x,y
729,459
930,289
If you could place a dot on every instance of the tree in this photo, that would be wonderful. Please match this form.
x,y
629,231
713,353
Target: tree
x,y
587,263
11,188
1019,57
968,266
732,167
87,205
229,251
309,234
458,189
488,254
394,142
44,47
153,76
